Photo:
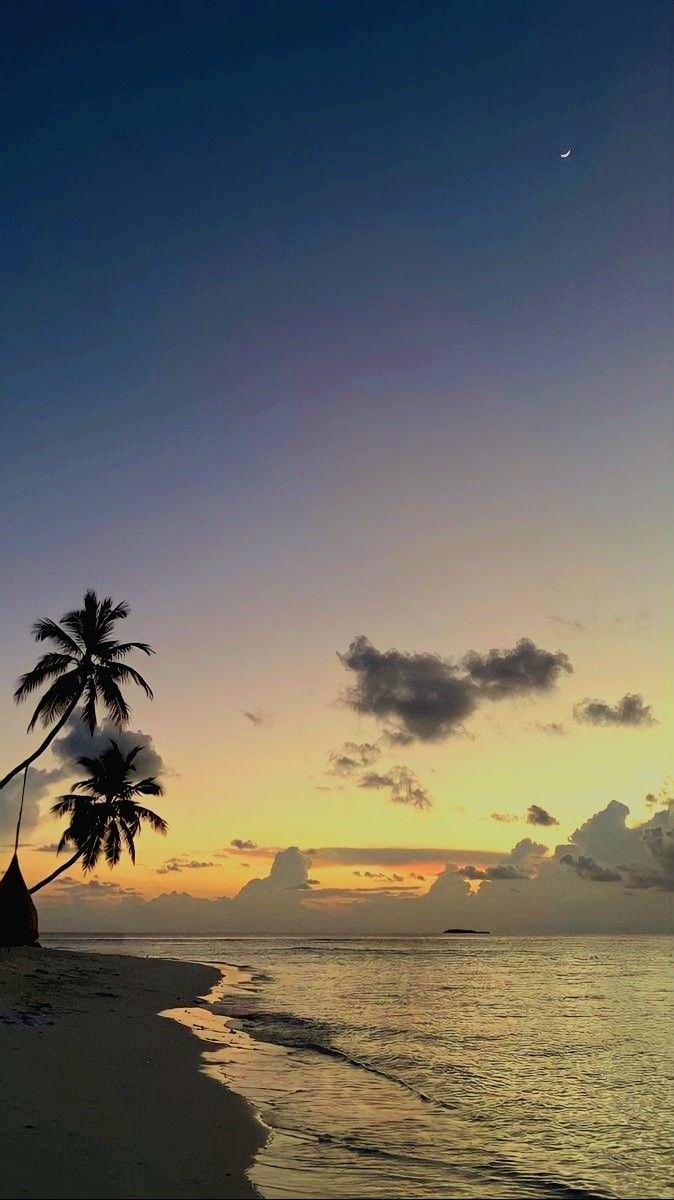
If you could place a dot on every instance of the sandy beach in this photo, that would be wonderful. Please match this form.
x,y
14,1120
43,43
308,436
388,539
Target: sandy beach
x,y
104,1097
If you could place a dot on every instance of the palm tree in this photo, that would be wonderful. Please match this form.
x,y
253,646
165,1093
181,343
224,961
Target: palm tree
x,y
109,818
85,665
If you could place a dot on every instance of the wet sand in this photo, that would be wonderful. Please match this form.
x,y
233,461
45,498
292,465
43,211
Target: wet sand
x,y
104,1097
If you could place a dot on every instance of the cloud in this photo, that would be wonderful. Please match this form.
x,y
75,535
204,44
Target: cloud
x,y
428,698
243,844
182,864
503,872
504,818
380,875
254,718
353,756
587,868
403,786
400,856
630,711
538,816
76,741
551,728
38,785
517,672
554,897
49,848
421,693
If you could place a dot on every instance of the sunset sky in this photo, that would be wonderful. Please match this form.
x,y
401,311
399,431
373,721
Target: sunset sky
x,y
310,334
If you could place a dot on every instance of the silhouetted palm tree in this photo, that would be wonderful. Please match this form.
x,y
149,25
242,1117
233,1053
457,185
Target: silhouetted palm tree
x,y
86,665
109,818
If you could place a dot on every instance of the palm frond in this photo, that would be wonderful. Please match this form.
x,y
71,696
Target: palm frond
x,y
92,851
120,649
128,835
112,844
66,689
147,787
47,630
157,823
64,804
89,706
48,667
115,704
123,673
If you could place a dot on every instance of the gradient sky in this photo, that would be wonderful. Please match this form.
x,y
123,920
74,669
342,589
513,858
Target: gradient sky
x,y
308,332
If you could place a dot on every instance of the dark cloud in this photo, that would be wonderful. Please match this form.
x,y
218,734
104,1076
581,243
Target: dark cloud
x,y
243,844
630,711
254,718
504,871
587,868
353,756
76,742
49,848
403,787
538,816
380,875
414,875
422,693
517,672
428,698
504,818
182,864
551,728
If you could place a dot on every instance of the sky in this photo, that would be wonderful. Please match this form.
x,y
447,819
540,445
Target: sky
x,y
309,336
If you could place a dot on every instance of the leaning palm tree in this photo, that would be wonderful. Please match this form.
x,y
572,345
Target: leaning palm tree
x,y
86,665
108,818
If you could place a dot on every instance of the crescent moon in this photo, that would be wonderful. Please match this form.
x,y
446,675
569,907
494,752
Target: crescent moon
x,y
566,154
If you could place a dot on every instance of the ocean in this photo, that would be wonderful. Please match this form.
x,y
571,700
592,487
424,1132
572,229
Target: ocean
x,y
443,1066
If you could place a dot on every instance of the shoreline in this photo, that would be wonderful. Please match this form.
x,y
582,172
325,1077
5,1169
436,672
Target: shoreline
x,y
105,1096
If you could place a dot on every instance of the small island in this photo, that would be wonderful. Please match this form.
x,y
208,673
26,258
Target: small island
x,y
482,932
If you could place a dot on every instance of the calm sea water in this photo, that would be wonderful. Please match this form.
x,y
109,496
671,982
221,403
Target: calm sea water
x,y
445,1067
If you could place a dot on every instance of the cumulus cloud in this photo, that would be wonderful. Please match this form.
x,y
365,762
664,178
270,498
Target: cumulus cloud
x,y
243,844
504,818
403,787
428,698
517,672
630,711
539,816
555,897
353,756
76,742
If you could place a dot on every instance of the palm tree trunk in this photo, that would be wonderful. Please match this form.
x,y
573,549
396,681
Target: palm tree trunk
x,y
18,823
47,742
59,871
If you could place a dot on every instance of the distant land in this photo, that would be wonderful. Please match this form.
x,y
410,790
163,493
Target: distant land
x,y
482,931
